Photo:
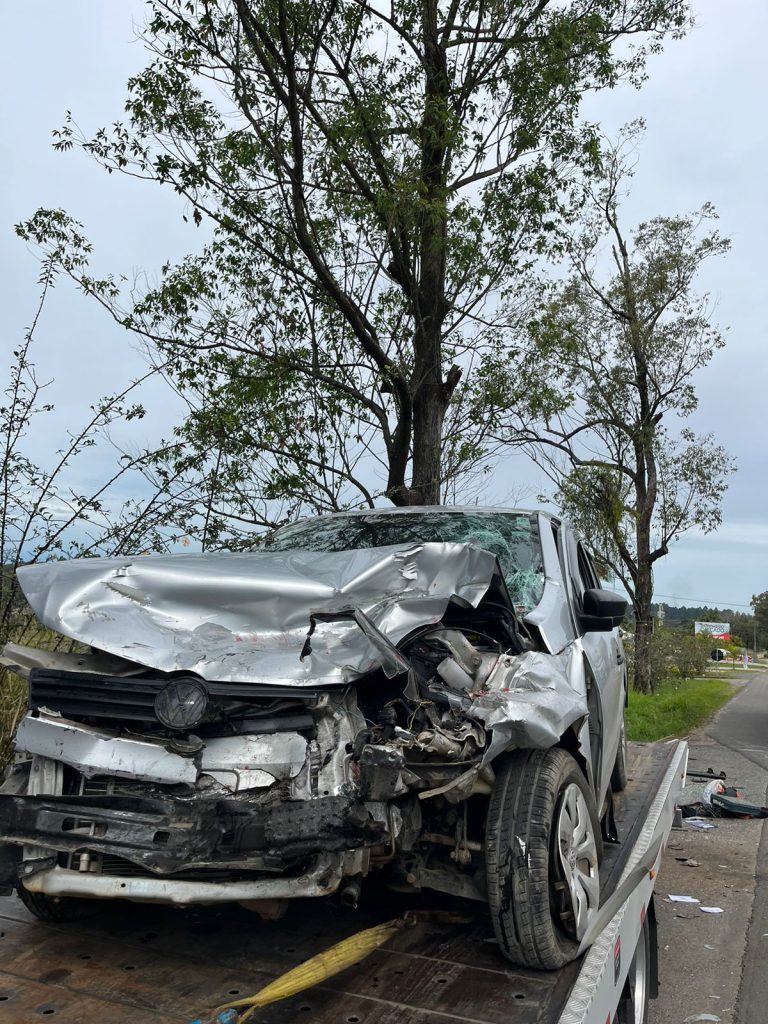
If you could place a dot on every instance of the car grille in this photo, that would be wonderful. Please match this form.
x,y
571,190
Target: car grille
x,y
131,698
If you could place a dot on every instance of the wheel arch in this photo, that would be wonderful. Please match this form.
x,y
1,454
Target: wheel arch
x,y
569,742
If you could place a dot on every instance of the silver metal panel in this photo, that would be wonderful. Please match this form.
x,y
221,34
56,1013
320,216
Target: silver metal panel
x,y
530,700
249,762
21,659
237,762
245,616
320,880
97,753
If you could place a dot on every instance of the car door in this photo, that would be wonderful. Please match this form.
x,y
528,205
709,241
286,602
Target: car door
x,y
605,656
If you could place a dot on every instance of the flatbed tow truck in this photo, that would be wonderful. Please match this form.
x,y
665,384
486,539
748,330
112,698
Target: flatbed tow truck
x,y
136,964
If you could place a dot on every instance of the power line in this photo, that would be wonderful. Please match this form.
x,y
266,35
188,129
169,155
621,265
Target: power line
x,y
702,603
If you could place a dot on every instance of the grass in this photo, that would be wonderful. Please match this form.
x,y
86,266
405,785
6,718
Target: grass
x,y
679,706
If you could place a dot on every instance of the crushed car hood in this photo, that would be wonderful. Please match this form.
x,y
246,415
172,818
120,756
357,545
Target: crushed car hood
x,y
245,617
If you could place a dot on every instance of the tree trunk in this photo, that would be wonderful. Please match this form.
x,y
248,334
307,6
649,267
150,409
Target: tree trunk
x,y
645,500
643,681
428,417
430,393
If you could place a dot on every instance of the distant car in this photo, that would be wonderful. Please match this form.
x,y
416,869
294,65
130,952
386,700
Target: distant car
x,y
437,693
718,654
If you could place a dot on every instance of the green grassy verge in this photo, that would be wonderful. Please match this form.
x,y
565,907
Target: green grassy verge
x,y
677,708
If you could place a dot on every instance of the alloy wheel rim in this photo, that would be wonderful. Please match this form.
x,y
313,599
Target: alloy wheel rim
x,y
577,858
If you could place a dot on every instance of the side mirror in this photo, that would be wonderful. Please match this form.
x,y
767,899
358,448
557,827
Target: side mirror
x,y
602,610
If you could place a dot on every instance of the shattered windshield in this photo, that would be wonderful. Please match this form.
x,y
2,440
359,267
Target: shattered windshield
x,y
512,536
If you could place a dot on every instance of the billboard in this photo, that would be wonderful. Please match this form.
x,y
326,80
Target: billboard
x,y
717,630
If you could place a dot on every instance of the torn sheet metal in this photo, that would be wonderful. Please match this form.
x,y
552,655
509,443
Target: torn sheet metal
x,y
98,753
21,660
530,700
245,616
246,762
237,762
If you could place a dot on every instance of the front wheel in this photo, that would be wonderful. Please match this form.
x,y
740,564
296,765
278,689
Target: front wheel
x,y
543,846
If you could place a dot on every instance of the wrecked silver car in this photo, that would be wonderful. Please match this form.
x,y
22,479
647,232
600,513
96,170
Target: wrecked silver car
x,y
435,694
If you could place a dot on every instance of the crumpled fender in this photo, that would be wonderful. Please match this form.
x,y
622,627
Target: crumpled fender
x,y
531,700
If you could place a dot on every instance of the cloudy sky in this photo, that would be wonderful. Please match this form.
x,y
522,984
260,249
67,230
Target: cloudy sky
x,y
705,108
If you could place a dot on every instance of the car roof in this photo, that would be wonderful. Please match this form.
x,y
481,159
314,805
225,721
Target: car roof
x,y
405,509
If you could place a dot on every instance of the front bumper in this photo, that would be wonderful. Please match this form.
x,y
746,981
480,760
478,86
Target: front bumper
x,y
321,879
167,836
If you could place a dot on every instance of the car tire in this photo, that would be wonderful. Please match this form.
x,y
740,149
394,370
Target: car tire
x,y
57,908
635,1000
619,773
541,894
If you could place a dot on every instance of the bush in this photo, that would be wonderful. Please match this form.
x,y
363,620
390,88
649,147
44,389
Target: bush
x,y
14,690
13,706
674,655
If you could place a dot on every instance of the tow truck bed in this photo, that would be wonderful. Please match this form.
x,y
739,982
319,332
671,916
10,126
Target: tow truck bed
x,y
137,963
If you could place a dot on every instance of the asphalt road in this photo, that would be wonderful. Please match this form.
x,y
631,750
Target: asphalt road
x,y
743,728
717,964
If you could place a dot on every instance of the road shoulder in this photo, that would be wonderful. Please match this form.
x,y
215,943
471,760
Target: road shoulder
x,y
715,963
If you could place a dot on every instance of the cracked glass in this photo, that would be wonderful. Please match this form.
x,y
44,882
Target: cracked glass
x,y
513,537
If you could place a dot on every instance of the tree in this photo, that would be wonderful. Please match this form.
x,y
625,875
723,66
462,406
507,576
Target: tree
x,y
622,344
45,510
759,604
378,177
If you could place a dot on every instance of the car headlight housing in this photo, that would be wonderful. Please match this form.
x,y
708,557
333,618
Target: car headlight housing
x,y
182,703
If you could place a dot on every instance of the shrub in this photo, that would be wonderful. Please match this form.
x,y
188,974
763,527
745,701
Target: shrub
x,y
13,705
674,655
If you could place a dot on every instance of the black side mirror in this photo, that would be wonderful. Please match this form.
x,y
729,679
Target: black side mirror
x,y
602,610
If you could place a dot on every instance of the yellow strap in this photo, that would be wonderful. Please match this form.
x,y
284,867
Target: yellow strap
x,y
319,968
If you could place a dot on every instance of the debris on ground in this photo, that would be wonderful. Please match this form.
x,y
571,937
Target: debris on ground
x,y
709,774
716,800
711,910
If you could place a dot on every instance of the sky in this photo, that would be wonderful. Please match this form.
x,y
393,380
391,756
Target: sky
x,y
706,140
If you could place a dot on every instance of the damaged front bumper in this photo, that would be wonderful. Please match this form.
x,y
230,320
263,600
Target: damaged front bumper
x,y
160,843
101,814
322,878
169,836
